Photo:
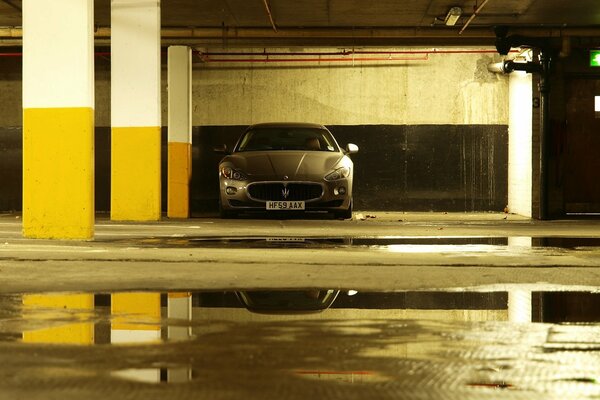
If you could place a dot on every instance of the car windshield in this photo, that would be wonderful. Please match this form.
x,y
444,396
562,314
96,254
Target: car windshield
x,y
287,138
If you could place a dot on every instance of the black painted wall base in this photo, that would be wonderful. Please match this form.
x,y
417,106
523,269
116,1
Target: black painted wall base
x,y
398,167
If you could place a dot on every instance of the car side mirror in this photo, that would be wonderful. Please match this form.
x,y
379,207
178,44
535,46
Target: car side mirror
x,y
351,148
221,149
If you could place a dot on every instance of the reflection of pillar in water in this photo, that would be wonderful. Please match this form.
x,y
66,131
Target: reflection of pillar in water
x,y
519,301
519,241
519,305
72,333
179,307
136,319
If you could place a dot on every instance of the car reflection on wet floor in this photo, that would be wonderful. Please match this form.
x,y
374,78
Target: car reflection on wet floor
x,y
295,344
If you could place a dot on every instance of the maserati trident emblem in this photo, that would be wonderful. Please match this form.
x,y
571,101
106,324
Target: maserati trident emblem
x,y
285,192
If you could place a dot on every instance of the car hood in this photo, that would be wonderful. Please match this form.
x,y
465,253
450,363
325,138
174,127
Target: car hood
x,y
293,164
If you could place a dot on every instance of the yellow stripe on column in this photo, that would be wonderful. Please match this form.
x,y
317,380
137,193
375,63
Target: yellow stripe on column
x,y
135,174
179,173
136,311
58,173
72,333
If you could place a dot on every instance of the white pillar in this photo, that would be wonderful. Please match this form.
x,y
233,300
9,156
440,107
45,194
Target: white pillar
x,y
519,300
58,119
135,110
180,131
520,144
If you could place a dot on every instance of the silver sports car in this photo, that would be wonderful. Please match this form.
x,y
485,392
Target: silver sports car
x,y
286,167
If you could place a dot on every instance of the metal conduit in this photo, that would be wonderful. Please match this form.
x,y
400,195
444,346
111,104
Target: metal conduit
x,y
346,52
372,33
473,16
334,56
341,56
270,14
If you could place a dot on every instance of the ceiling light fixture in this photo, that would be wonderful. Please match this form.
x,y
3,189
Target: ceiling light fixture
x,y
453,15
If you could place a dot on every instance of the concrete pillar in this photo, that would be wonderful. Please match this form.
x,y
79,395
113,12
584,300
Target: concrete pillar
x,y
520,144
135,110
179,307
58,119
180,131
136,318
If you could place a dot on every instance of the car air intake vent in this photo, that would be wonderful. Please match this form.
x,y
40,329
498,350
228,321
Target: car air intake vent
x,y
281,192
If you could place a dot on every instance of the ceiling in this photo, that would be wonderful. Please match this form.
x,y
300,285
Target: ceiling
x,y
352,20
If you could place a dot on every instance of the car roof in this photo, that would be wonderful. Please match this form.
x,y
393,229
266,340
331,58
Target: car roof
x,y
287,125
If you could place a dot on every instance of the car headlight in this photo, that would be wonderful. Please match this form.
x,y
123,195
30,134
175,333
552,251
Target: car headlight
x,y
232,173
338,173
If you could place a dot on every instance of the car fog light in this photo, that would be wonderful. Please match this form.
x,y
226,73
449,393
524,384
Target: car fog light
x,y
230,190
340,190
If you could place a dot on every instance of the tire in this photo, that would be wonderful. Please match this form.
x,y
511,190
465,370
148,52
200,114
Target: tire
x,y
345,214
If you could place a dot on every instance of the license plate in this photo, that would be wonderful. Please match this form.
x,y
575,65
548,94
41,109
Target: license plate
x,y
285,205
286,239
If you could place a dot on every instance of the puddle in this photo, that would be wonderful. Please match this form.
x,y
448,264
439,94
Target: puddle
x,y
339,343
393,243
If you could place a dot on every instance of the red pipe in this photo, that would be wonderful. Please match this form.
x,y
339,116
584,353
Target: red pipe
x,y
346,52
345,56
276,60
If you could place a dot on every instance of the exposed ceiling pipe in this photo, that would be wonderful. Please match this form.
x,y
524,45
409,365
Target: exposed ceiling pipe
x,y
332,33
565,50
472,17
268,9
208,59
340,56
325,37
341,53
508,66
347,52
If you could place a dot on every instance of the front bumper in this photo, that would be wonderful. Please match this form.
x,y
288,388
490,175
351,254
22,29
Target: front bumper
x,y
241,200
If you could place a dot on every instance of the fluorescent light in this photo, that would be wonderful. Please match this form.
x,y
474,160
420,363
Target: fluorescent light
x,y
453,16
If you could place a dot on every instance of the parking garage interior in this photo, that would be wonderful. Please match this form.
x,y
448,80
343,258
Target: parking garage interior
x,y
470,266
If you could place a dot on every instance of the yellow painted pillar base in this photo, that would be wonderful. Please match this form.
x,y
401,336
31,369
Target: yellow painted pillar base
x,y
179,174
135,174
58,173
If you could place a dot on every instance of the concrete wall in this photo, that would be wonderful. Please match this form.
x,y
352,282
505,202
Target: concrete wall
x,y
433,132
444,89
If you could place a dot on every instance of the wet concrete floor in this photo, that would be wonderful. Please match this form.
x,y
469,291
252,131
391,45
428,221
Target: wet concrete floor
x,y
299,344
416,306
